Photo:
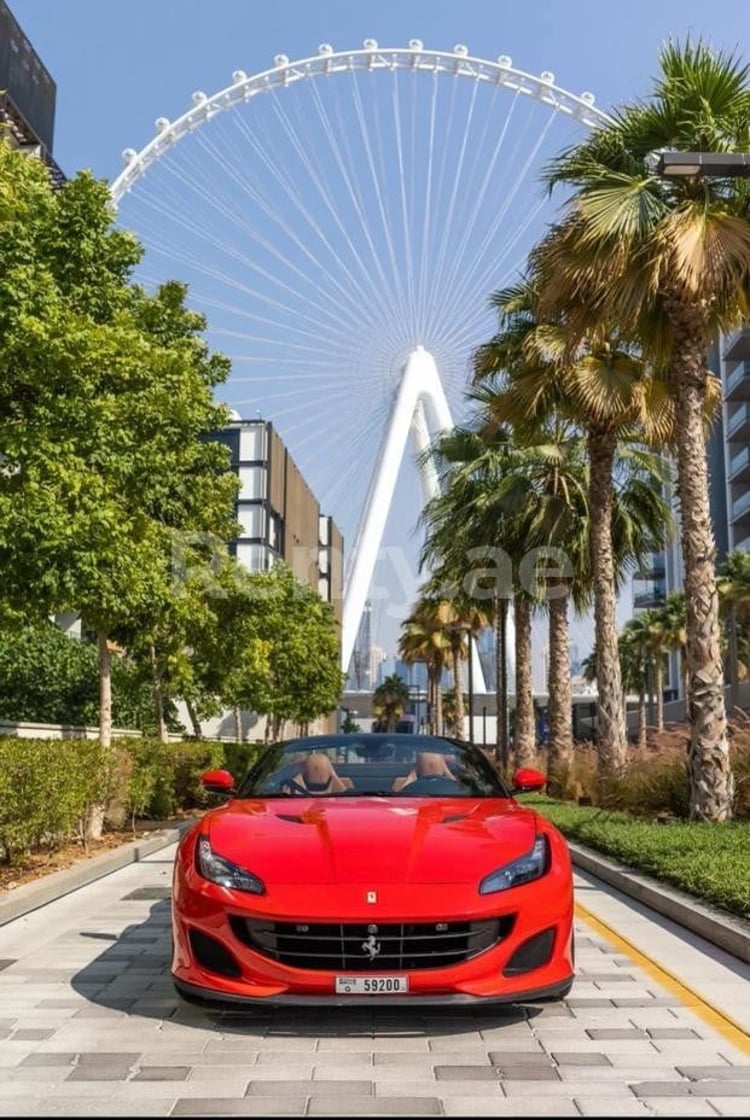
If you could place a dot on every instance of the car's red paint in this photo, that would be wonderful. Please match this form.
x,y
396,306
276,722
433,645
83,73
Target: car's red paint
x,y
527,780
217,781
422,857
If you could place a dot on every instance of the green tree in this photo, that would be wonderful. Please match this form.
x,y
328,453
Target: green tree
x,y
107,395
389,702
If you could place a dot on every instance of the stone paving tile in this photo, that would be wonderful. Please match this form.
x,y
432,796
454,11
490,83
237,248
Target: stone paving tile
x,y
63,1058
285,1088
719,1089
661,1088
211,1106
467,1073
662,1033
729,1107
444,1090
685,1106
612,1106
574,1058
480,1106
612,1034
394,1106
209,1074
162,1073
715,1073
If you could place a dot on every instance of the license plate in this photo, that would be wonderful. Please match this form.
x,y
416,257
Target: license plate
x,y
371,985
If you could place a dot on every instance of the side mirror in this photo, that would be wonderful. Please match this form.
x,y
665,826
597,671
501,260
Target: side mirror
x,y
528,781
218,781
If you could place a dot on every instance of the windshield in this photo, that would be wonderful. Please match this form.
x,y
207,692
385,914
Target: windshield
x,y
376,765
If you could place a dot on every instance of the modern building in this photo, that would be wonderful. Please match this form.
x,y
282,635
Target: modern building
x,y
280,517
27,94
731,489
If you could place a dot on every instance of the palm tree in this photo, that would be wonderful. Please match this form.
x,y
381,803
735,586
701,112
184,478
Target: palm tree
x,y
507,501
389,701
734,597
668,260
633,663
424,639
601,385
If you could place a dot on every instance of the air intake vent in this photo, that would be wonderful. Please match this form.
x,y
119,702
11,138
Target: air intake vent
x,y
384,947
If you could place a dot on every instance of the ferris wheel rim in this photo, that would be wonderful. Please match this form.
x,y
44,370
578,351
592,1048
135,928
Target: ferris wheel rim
x,y
370,57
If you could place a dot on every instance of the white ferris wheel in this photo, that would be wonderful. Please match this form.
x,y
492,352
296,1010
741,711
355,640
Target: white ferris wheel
x,y
342,237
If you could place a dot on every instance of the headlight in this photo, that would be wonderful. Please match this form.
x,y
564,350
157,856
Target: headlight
x,y
222,871
523,870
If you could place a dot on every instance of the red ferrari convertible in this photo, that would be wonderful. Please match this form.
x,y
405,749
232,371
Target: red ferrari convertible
x,y
372,868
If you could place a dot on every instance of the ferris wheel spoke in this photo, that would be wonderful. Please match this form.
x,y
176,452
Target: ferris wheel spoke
x,y
331,214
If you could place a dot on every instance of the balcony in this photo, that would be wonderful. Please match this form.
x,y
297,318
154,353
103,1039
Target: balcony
x,y
741,508
739,466
649,593
737,383
737,346
653,566
738,424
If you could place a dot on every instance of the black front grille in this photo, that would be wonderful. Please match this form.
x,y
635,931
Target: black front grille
x,y
381,947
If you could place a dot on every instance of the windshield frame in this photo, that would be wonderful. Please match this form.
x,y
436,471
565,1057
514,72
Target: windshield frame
x,y
270,759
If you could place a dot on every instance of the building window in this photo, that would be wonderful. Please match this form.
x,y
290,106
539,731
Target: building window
x,y
253,443
252,483
252,519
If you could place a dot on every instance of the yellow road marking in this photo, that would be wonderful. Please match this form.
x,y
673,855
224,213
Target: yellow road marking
x,y
719,1020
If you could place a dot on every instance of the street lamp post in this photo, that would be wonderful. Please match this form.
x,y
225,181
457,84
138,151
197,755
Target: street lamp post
x,y
470,641
705,165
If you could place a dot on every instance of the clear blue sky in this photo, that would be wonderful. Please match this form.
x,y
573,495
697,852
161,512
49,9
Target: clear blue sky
x,y
119,66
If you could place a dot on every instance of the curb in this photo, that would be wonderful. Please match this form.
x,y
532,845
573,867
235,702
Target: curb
x,y
728,932
22,900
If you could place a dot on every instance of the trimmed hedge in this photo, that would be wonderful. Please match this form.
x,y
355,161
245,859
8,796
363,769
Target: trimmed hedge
x,y
709,861
48,785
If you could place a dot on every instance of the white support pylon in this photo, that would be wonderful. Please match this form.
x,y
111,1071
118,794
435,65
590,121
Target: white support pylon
x,y
420,408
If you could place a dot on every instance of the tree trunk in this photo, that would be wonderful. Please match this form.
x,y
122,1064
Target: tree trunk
x,y
642,722
458,688
659,686
438,702
501,683
711,783
560,757
524,740
612,743
158,691
93,824
197,729
105,690
237,725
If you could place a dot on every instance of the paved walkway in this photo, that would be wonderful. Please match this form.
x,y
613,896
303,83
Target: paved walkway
x,y
89,1024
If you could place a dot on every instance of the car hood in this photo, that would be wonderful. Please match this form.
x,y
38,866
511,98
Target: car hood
x,y
365,840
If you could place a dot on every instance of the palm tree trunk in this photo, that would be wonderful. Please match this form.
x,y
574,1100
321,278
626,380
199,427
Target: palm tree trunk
x,y
438,671
560,759
659,686
642,723
612,743
458,688
711,783
525,731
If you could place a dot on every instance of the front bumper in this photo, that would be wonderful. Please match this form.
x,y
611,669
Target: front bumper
x,y
202,908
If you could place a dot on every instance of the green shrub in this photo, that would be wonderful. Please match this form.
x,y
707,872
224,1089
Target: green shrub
x,y
710,861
